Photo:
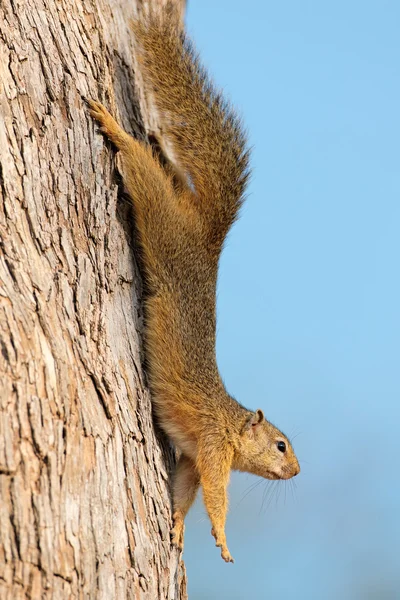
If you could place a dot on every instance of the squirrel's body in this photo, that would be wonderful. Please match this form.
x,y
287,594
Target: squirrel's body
x,y
183,214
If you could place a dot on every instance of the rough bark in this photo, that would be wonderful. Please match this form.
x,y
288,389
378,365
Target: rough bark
x,y
84,493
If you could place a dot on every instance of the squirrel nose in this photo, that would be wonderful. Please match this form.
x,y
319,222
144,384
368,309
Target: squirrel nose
x,y
297,471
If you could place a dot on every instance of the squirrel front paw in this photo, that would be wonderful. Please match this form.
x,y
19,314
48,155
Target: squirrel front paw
x,y
226,555
220,542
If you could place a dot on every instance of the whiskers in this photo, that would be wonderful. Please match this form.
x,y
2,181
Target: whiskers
x,y
273,491
293,435
250,489
293,488
277,491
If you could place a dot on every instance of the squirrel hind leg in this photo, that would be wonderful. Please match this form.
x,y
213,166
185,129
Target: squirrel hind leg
x,y
108,125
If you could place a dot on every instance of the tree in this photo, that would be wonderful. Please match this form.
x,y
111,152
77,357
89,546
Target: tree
x,y
84,493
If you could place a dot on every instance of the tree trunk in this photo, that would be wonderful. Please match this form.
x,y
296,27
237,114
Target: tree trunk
x,y
84,493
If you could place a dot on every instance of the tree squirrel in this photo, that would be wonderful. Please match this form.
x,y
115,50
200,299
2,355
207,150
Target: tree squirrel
x,y
183,214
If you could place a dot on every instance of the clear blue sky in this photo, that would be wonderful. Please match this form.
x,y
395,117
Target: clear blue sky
x,y
309,296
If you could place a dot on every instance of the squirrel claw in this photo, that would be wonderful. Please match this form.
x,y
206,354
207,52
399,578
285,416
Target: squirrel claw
x,y
108,126
177,536
175,541
226,556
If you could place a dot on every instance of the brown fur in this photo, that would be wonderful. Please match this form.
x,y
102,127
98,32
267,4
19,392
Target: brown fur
x,y
182,227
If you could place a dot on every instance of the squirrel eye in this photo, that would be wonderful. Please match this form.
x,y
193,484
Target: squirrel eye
x,y
281,446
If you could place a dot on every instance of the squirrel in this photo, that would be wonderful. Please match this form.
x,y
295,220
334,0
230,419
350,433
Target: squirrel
x,y
183,212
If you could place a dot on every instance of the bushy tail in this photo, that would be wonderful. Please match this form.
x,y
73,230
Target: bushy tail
x,y
207,136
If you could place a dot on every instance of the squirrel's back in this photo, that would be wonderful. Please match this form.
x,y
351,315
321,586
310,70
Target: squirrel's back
x,y
209,147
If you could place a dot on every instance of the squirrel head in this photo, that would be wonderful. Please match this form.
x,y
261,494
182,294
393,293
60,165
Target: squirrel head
x,y
264,450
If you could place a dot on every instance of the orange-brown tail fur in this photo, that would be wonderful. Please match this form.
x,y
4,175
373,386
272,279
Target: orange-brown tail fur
x,y
207,136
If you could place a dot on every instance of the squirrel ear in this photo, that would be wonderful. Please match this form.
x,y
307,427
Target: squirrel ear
x,y
260,415
253,421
